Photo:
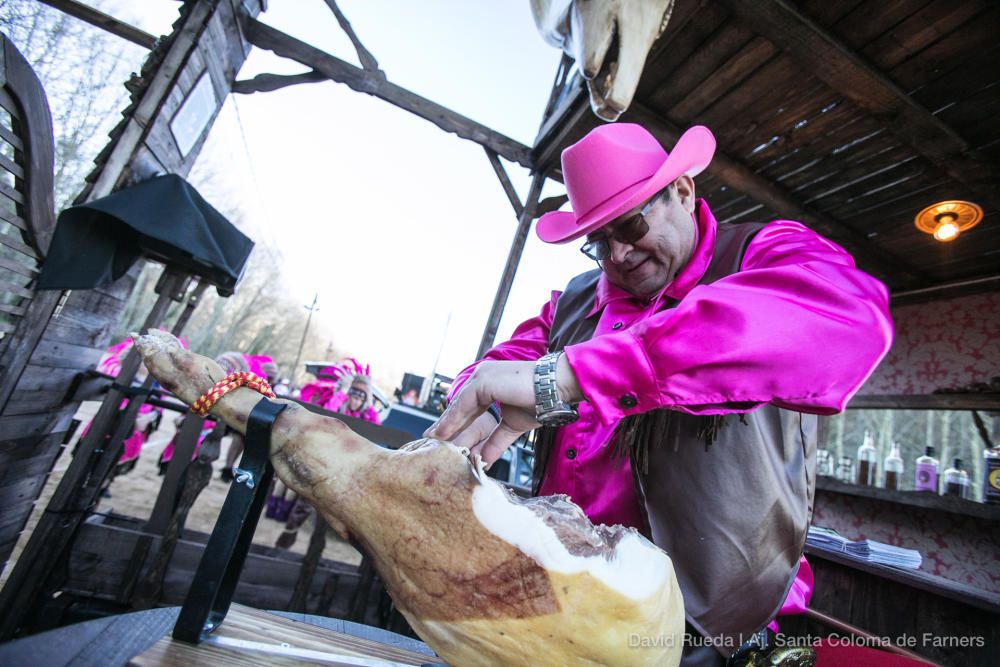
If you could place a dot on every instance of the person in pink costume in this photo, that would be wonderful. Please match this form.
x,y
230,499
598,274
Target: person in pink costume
x,y
678,383
356,402
345,388
146,422
167,454
330,381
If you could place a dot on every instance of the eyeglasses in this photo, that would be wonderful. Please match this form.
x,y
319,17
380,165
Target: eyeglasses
x,y
629,231
357,393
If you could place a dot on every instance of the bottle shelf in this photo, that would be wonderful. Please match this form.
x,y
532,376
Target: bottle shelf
x,y
922,499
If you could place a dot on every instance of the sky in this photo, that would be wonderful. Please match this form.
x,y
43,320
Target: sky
x,y
401,229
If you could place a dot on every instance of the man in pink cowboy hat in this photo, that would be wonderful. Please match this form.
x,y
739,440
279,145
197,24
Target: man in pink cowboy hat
x,y
676,385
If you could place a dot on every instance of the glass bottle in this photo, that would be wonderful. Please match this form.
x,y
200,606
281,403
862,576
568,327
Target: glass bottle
x,y
927,471
893,467
867,455
955,480
824,463
845,470
991,475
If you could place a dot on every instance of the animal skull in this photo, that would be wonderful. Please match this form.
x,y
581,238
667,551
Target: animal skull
x,y
609,39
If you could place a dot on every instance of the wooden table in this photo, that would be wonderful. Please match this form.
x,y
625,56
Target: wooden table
x,y
143,639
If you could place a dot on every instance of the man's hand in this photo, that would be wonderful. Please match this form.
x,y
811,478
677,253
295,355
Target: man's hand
x,y
509,383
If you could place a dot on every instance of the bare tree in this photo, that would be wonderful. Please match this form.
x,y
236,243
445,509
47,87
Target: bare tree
x,y
83,71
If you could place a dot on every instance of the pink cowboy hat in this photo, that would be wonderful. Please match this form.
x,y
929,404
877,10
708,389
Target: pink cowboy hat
x,y
615,168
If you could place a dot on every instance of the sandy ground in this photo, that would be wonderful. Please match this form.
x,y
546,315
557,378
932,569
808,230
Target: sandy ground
x,y
134,494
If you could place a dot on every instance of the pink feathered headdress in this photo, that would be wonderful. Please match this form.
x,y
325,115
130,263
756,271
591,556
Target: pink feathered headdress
x,y
261,365
356,368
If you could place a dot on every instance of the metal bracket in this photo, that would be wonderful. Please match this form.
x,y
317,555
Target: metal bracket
x,y
214,583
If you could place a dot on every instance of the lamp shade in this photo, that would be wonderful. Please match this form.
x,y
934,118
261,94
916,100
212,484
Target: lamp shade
x,y
947,219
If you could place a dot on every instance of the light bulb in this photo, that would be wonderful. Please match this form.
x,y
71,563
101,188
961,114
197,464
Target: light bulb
x,y
946,231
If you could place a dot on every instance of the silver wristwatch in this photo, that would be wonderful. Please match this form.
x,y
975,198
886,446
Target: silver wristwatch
x,y
549,410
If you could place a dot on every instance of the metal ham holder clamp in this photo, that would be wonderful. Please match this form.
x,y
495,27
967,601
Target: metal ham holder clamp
x,y
218,572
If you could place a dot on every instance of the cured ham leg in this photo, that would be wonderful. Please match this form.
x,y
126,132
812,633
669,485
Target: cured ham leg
x,y
484,577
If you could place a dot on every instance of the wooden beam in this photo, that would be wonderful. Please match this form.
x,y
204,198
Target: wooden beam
x,y
821,54
147,589
265,83
314,553
184,41
75,495
510,270
264,36
185,441
364,55
550,204
104,22
508,187
572,118
926,402
737,175
948,290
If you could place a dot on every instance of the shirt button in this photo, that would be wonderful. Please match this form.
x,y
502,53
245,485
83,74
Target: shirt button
x,y
628,401
571,453
617,325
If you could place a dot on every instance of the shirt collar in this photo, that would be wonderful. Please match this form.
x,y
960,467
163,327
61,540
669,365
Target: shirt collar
x,y
686,279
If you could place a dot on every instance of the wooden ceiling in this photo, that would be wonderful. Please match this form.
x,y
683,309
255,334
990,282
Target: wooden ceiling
x,y
848,115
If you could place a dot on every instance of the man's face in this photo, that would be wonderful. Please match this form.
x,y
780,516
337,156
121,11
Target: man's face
x,y
646,266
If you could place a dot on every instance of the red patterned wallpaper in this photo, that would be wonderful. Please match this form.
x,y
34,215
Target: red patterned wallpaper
x,y
956,547
941,345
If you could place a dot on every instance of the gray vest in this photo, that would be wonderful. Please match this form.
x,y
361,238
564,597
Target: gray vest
x,y
732,514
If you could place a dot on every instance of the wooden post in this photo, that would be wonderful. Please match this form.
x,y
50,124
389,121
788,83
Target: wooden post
x,y
513,259
359,600
76,493
171,287
328,595
197,474
302,343
126,420
300,596
104,22
185,441
508,187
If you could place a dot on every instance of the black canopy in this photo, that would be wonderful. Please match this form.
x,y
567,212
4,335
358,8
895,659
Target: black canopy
x,y
163,218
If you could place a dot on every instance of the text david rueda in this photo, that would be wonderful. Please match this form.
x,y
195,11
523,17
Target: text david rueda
x,y
926,639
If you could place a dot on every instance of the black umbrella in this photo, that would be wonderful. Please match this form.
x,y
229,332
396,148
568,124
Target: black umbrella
x,y
163,218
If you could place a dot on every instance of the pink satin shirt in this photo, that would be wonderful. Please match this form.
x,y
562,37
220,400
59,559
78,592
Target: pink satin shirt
x,y
779,331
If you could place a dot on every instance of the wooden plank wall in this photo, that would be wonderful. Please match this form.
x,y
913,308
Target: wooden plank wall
x,y
35,420
100,569
32,425
824,148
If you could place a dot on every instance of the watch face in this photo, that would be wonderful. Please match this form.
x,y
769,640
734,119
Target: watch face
x,y
558,417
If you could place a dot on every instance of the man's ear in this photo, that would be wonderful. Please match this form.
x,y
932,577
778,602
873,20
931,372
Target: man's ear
x,y
685,192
